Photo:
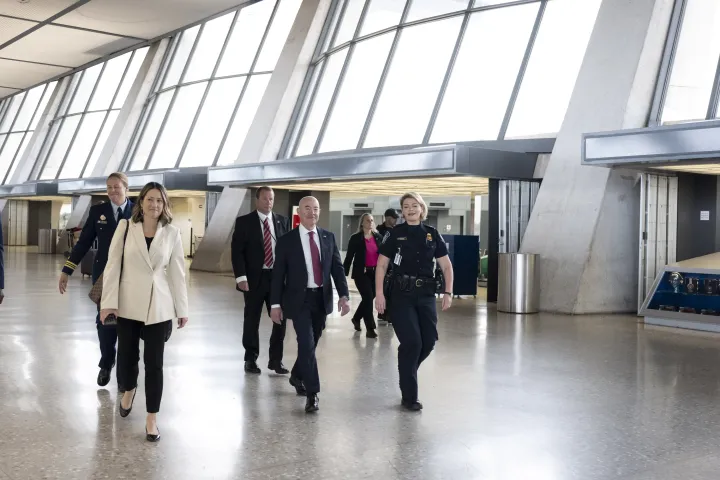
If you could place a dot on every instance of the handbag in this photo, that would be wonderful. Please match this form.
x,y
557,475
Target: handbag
x,y
97,288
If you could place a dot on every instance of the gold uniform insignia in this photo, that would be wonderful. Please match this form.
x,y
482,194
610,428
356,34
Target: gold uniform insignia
x,y
102,217
429,237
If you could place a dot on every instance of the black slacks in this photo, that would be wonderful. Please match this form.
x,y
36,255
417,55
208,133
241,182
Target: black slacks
x,y
254,302
107,336
366,286
414,319
129,333
309,325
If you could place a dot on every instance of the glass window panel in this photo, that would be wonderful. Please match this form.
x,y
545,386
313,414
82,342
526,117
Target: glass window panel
x,y
106,129
152,127
182,52
28,109
382,14
212,123
67,94
208,48
333,26
18,159
176,128
413,83
245,39
245,115
356,94
420,9
349,22
277,36
12,143
62,142
109,82
43,104
553,68
482,80
323,95
130,77
695,62
11,112
304,107
84,140
83,92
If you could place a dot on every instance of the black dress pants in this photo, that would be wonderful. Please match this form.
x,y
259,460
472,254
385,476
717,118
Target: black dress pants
x,y
107,336
309,325
414,319
254,302
365,284
129,333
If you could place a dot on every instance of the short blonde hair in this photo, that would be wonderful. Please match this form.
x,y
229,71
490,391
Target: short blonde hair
x,y
120,176
418,199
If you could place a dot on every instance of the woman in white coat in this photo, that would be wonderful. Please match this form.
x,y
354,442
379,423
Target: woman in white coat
x,y
144,289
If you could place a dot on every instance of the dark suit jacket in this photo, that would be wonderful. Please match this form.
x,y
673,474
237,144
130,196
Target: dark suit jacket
x,y
100,225
356,251
290,275
248,245
2,261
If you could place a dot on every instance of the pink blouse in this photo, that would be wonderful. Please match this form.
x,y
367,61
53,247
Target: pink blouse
x,y
371,252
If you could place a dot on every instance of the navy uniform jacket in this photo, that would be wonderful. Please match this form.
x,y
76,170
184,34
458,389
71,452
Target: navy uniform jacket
x,y
418,246
100,224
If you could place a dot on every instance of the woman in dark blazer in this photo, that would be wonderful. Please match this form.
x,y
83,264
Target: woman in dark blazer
x,y
362,254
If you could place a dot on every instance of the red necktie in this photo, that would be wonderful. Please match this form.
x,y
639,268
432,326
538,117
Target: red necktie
x,y
267,241
315,254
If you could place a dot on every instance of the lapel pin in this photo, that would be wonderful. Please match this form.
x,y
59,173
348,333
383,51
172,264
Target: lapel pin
x,y
102,217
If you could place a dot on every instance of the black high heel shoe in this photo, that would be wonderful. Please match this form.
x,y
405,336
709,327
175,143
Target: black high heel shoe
x,y
150,437
124,413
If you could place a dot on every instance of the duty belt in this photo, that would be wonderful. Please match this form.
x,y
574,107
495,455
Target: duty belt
x,y
409,283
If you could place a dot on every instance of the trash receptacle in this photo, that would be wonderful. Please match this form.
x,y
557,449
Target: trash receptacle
x,y
518,287
47,240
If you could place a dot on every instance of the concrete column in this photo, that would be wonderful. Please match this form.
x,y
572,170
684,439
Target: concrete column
x,y
266,132
273,116
585,222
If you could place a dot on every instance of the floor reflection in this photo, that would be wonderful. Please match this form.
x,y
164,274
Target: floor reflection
x,y
508,397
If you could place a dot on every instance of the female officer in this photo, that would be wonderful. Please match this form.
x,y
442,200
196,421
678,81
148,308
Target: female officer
x,y
412,247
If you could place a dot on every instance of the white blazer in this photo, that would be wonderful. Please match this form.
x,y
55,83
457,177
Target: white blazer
x,y
152,288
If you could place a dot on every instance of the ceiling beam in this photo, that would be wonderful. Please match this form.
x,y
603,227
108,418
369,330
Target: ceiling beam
x,y
35,63
47,21
73,27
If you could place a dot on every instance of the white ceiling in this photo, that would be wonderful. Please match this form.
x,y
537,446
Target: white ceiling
x,y
42,39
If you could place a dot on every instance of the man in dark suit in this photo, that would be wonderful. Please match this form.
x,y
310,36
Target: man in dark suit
x,y
101,223
2,267
306,260
253,257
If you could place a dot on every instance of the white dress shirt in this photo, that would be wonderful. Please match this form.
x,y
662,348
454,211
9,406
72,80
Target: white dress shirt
x,y
305,240
115,209
273,239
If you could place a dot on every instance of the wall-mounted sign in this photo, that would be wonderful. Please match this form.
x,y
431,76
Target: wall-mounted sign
x,y
704,215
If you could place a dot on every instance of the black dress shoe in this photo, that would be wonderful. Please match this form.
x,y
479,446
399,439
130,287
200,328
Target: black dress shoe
x,y
371,334
278,368
152,438
103,377
413,406
124,413
312,404
356,323
251,367
299,387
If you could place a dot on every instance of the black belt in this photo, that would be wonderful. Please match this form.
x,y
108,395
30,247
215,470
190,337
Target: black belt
x,y
410,283
315,289
369,269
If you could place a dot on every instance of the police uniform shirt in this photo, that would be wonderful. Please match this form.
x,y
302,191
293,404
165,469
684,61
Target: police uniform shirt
x,y
418,246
